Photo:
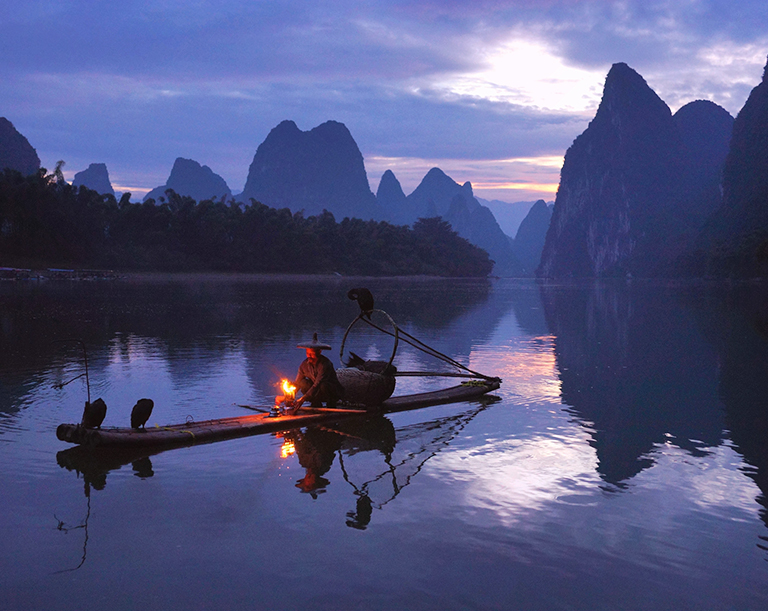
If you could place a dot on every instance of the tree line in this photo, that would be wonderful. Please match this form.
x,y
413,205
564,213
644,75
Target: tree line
x,y
45,219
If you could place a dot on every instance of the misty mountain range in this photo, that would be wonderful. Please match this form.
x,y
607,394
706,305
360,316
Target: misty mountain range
x,y
643,192
323,169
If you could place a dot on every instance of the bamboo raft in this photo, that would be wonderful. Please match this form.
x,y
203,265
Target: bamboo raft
x,y
206,431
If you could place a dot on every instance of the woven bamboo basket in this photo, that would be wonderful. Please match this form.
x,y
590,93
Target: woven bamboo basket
x,y
365,387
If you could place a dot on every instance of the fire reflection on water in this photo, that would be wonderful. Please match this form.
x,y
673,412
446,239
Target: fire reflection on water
x,y
287,449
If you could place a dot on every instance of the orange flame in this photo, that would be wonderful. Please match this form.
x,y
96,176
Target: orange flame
x,y
289,389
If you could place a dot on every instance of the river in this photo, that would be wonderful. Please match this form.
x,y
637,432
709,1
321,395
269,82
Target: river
x,y
622,464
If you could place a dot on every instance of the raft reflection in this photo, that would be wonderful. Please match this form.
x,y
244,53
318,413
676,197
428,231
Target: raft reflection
x,y
402,453
376,460
94,464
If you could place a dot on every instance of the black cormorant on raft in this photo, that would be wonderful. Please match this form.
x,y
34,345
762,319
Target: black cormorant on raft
x,y
380,367
364,299
94,414
141,413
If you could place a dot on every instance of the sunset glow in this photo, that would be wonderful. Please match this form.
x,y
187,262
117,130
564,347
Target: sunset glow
x,y
516,186
529,177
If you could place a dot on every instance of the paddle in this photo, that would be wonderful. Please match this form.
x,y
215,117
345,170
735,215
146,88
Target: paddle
x,y
255,409
340,410
308,409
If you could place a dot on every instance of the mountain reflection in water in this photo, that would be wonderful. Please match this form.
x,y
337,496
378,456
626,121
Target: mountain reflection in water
x,y
643,366
635,369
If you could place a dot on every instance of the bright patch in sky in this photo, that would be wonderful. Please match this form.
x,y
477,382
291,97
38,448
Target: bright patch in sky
x,y
530,177
139,192
516,186
525,73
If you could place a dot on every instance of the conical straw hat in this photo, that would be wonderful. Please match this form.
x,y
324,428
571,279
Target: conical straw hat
x,y
314,344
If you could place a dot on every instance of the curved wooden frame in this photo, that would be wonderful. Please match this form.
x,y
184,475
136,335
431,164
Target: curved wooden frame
x,y
354,322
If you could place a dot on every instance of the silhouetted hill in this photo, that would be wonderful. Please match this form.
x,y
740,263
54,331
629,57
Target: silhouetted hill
x,y
477,224
633,185
529,241
705,129
735,239
508,215
321,169
391,200
433,196
15,150
439,195
188,178
96,178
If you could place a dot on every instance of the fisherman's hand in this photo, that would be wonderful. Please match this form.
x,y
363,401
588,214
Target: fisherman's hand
x,y
298,402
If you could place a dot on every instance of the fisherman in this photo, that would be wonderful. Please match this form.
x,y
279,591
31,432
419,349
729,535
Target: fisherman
x,y
316,378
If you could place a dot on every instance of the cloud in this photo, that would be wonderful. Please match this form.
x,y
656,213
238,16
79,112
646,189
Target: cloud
x,y
119,119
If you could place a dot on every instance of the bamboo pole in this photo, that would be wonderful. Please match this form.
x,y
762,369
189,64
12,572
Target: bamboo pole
x,y
446,374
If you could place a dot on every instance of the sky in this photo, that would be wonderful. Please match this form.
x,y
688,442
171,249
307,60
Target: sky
x,y
490,92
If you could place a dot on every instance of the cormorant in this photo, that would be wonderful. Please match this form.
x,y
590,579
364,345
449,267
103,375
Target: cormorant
x,y
364,300
381,367
93,414
141,412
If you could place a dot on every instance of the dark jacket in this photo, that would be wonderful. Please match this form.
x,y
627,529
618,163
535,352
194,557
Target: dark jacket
x,y
320,372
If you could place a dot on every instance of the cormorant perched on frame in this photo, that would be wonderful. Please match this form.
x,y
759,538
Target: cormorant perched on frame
x,y
94,414
364,300
380,367
141,412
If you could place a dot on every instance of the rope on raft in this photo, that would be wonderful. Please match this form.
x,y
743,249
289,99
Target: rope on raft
x,y
419,345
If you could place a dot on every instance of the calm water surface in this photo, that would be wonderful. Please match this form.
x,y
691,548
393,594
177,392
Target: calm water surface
x,y
623,464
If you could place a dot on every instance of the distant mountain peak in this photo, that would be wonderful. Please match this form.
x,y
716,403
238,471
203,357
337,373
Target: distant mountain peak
x,y
189,178
392,200
389,185
436,175
439,195
621,76
389,178
287,125
96,178
530,236
621,70
332,127
15,150
434,194
315,170
628,94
